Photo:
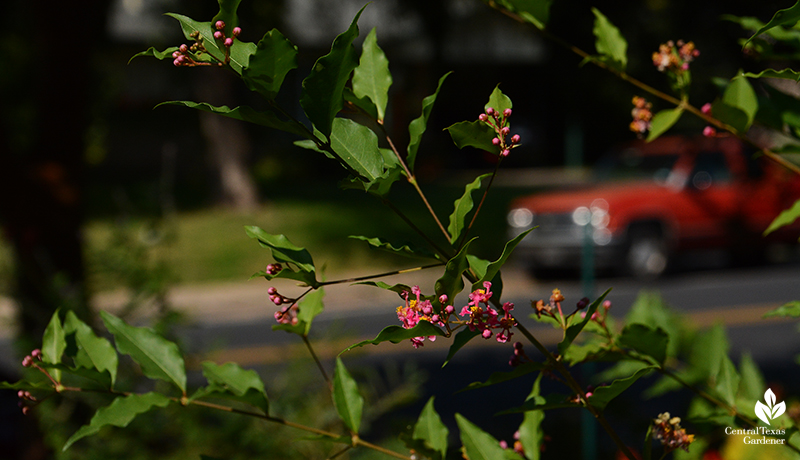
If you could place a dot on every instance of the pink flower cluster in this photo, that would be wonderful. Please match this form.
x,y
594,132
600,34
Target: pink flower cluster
x,y
25,397
517,447
668,430
189,56
642,115
675,56
499,123
484,318
416,310
287,314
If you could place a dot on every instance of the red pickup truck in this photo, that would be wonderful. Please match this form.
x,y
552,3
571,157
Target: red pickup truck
x,y
655,200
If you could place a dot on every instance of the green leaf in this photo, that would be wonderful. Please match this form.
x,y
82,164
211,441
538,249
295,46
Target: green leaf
x,y
418,126
461,339
788,310
158,357
431,431
227,14
604,394
93,352
401,289
244,113
649,308
785,218
494,268
451,282
740,95
372,78
727,381
500,377
462,207
787,74
404,250
730,115
245,385
86,378
54,342
478,444
473,134
646,340
321,97
575,329
536,12
284,251
397,334
357,148
531,434
788,17
44,385
499,101
309,307
160,55
663,121
239,52
708,351
119,413
610,43
752,383
348,401
273,58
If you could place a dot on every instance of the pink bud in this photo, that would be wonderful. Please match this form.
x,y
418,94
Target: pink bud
x,y
486,333
27,361
219,25
503,444
706,108
176,54
228,42
218,35
25,410
449,309
588,394
435,318
505,153
607,304
490,111
184,48
505,130
272,290
237,31
507,113
37,353
176,63
21,394
709,131
496,141
483,117
443,299
515,139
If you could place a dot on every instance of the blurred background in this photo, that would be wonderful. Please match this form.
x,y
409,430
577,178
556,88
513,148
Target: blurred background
x,y
107,202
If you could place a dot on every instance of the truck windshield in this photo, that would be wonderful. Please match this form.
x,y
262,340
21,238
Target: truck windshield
x,y
631,164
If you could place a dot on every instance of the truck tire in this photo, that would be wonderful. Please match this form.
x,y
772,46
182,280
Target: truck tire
x,y
647,256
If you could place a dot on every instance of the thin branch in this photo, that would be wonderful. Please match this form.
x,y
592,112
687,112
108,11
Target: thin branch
x,y
414,227
319,363
480,205
381,275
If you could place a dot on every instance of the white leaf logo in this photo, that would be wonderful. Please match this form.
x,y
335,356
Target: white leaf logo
x,y
770,410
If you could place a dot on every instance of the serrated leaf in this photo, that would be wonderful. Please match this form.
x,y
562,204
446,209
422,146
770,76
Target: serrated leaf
x,y
604,394
430,430
575,329
663,121
397,334
787,16
473,134
462,207
273,58
244,113
244,385
787,74
284,251
348,401
158,357
647,340
786,217
727,381
451,282
402,250
119,413
536,12
478,444
418,126
357,148
462,338
530,431
498,101
788,310
160,55
321,97
371,78
610,43
93,352
500,377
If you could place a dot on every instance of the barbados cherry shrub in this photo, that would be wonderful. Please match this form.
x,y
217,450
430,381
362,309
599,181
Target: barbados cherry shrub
x,y
345,99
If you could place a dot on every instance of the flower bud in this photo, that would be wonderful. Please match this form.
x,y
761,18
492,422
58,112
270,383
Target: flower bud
x,y
706,108
218,35
496,141
272,290
709,131
515,139
220,25
607,304
228,42
237,31
37,353
435,318
505,153
27,361
184,49
507,113
176,54
25,410
443,299
504,131
486,333
482,117
490,111
449,309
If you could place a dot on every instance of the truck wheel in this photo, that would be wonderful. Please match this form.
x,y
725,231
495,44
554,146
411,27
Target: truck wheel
x,y
647,256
